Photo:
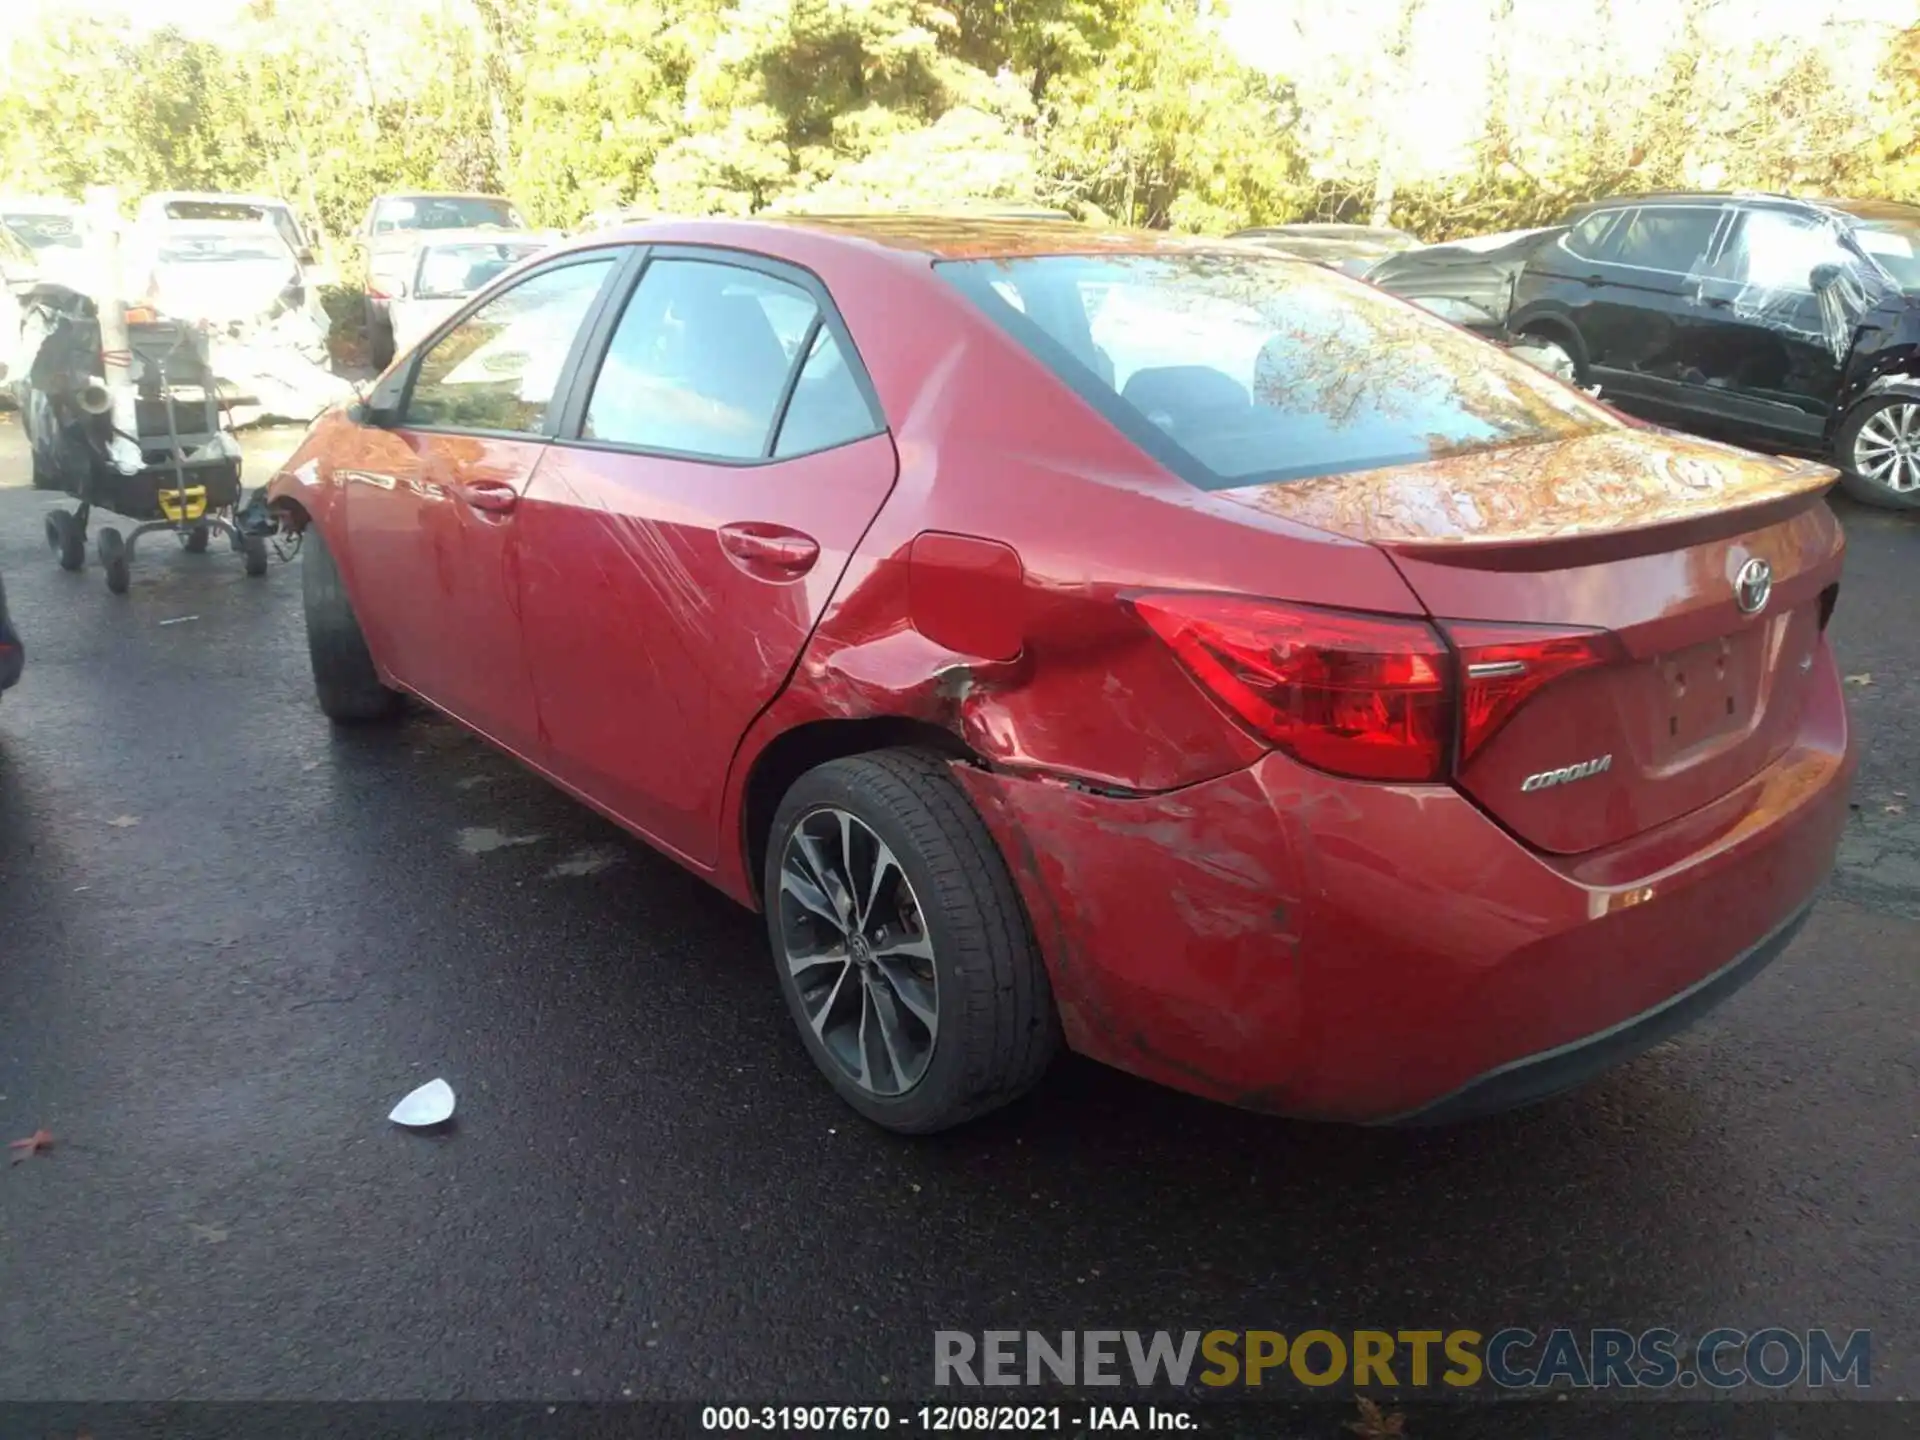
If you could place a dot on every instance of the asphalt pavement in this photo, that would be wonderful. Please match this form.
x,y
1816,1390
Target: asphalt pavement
x,y
231,939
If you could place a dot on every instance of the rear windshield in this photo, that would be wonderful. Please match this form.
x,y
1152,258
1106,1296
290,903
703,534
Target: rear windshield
x,y
1236,370
450,272
439,212
42,232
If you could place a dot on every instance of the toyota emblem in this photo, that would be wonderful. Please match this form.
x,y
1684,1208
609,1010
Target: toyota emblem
x,y
1752,586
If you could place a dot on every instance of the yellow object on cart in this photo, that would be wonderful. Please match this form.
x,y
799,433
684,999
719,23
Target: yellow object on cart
x,y
182,506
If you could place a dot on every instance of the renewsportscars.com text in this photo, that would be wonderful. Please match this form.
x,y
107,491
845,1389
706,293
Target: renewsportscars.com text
x,y
1513,1359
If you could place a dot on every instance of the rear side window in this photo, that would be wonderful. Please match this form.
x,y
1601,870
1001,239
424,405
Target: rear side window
x,y
1234,369
697,365
1672,239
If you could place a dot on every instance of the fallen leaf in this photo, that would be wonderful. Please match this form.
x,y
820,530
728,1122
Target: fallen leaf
x,y
1374,1424
1896,809
1865,678
124,822
32,1145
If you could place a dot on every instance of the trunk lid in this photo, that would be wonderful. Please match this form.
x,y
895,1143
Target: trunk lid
x,y
1645,539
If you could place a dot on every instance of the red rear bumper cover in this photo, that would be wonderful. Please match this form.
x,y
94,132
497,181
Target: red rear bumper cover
x,y
1287,941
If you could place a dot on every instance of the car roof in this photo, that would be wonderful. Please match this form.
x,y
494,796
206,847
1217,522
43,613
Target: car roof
x,y
1757,199
214,197
936,236
39,205
441,195
479,235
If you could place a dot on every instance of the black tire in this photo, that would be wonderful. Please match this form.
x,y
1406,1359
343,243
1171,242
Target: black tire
x,y
194,542
344,680
997,1028
67,539
1865,489
253,552
112,546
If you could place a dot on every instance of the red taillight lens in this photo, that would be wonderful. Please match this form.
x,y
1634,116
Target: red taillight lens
x,y
1360,695
1503,666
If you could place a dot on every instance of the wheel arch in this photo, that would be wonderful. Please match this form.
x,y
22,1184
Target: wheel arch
x,y
795,751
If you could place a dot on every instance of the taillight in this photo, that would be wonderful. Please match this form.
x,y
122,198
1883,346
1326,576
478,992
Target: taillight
x,y
1503,666
1366,696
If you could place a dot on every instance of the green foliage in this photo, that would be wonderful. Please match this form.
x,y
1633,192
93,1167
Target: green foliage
x,y
1134,111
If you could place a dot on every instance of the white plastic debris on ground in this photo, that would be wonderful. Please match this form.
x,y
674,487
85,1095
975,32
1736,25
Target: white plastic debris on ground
x,y
430,1105
277,371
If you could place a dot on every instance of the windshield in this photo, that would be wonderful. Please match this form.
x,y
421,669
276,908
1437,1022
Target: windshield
x,y
278,216
439,212
1895,244
450,272
204,249
41,232
1236,370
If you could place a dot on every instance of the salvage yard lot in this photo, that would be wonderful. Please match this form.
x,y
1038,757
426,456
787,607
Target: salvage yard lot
x,y
230,940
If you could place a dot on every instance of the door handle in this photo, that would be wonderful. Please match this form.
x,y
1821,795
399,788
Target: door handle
x,y
769,551
1718,302
496,497
1593,279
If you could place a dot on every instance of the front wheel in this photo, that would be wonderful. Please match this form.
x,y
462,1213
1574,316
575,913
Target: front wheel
x,y
901,945
1878,451
344,678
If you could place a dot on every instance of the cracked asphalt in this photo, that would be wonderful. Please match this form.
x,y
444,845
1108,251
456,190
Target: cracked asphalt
x,y
230,940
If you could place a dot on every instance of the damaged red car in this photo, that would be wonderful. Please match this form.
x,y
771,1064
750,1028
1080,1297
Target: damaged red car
x,y
1191,656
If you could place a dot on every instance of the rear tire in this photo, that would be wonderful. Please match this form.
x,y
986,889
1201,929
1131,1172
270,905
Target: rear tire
x,y
1878,452
954,902
344,680
194,542
253,551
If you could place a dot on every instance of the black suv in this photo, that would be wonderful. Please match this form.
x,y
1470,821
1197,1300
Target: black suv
x,y
1775,322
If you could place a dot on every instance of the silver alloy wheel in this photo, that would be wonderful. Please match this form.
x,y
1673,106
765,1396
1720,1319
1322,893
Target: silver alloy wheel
x,y
853,939
1887,448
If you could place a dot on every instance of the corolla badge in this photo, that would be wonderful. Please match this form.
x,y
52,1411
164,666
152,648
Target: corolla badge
x,y
1752,586
1566,774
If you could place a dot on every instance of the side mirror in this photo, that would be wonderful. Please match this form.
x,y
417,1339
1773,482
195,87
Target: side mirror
x,y
1823,276
373,416
306,256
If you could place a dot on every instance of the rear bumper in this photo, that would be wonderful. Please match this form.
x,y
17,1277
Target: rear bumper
x,y
1521,1082
1285,941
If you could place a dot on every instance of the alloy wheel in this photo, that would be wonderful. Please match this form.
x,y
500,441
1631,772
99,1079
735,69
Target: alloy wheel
x,y
1887,449
853,939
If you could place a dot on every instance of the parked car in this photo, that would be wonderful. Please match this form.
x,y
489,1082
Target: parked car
x,y
1789,324
391,231
199,208
231,276
13,654
1352,249
448,267
1190,654
43,223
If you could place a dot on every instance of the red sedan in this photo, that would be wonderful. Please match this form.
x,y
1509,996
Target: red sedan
x,y
1186,653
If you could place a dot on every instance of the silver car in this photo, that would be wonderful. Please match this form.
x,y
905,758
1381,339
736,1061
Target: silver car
x,y
447,268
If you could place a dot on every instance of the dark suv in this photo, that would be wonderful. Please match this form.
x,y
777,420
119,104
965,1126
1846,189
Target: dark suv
x,y
1775,322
